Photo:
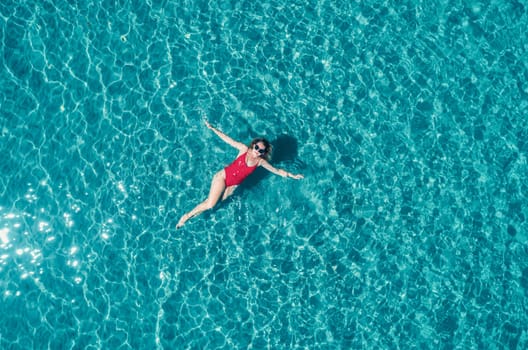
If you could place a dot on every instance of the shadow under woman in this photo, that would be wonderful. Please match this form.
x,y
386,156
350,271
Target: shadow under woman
x,y
285,149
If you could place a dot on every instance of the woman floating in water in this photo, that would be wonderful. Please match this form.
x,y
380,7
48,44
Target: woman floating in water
x,y
226,180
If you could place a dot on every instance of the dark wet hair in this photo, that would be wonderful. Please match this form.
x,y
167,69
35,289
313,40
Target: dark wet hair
x,y
267,146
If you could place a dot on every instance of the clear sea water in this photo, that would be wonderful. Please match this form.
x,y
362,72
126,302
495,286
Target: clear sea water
x,y
407,118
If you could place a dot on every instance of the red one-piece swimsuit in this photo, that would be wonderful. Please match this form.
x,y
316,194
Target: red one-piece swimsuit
x,y
237,171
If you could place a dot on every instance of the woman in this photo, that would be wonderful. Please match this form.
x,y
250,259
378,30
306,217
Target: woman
x,y
226,180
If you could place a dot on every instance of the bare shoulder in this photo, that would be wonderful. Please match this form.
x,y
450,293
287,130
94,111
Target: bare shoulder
x,y
241,148
264,163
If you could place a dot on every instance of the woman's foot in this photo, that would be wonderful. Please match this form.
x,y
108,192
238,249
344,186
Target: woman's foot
x,y
182,221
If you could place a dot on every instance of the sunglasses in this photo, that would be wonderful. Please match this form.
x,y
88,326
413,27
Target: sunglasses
x,y
259,150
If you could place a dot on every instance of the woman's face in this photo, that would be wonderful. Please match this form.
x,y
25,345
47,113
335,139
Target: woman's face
x,y
259,149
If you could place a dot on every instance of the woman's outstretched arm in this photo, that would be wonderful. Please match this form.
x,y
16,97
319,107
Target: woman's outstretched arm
x,y
266,165
238,145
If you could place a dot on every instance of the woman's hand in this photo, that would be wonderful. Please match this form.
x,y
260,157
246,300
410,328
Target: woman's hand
x,y
208,125
296,176
288,174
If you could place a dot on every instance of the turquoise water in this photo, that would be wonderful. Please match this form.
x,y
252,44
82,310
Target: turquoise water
x,y
408,120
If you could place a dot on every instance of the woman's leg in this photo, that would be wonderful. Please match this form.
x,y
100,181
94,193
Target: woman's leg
x,y
229,191
217,187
